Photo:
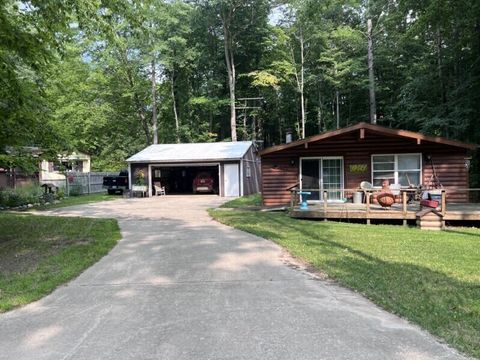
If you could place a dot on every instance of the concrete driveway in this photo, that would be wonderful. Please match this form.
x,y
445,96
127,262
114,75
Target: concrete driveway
x,y
181,286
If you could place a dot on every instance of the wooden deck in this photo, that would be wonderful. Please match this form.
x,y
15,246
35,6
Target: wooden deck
x,y
453,212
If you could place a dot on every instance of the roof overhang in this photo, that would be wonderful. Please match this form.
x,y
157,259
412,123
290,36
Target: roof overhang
x,y
371,128
183,161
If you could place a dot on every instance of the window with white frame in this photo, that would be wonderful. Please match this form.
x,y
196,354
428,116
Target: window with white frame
x,y
248,171
402,169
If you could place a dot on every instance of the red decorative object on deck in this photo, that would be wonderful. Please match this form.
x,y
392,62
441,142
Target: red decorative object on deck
x,y
385,199
429,203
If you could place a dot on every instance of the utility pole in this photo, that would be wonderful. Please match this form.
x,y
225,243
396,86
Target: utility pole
x,y
371,75
246,106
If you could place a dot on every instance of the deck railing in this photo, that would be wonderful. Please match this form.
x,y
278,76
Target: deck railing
x,y
328,197
455,204
468,195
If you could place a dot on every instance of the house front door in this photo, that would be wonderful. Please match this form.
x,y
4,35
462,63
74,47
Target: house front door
x,y
322,174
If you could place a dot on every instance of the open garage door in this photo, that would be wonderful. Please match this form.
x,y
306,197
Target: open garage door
x,y
188,180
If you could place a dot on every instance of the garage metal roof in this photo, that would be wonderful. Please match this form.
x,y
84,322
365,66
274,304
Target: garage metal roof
x,y
217,151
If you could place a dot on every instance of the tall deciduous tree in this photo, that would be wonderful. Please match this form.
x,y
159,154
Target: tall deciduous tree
x,y
32,35
95,75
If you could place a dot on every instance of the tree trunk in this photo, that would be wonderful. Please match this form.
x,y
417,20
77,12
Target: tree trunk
x,y
319,108
371,75
337,101
349,99
477,29
259,135
245,123
302,82
143,121
174,104
154,104
299,78
136,99
229,59
443,94
279,117
210,121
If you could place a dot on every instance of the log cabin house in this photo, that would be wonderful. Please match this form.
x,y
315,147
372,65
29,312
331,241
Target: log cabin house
x,y
343,158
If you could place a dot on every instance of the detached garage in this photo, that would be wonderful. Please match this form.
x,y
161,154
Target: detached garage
x,y
223,168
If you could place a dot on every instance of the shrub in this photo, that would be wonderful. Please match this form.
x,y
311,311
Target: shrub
x,y
49,197
60,193
21,196
76,189
14,199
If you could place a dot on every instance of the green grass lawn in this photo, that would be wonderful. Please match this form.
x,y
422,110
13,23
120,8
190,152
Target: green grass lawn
x,y
245,201
80,200
430,278
38,253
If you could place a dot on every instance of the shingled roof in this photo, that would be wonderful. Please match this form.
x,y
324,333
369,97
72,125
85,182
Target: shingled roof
x,y
371,128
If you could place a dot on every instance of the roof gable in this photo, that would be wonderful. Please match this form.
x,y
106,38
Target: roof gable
x,y
192,152
371,128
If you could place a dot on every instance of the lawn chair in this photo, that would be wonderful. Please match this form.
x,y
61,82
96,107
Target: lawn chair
x,y
367,189
159,189
395,190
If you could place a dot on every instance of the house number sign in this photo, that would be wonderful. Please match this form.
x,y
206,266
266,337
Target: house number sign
x,y
358,168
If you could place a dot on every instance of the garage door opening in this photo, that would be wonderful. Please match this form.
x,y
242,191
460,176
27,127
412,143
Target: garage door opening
x,y
179,180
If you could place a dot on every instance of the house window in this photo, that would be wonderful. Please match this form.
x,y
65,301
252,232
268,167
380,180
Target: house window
x,y
248,171
74,165
402,169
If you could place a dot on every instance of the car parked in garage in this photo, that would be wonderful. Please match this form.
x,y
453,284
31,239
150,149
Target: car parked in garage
x,y
203,182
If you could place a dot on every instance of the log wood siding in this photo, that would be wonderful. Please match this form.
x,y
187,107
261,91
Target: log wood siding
x,y
280,169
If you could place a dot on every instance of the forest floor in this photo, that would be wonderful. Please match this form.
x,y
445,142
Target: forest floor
x,y
429,278
38,253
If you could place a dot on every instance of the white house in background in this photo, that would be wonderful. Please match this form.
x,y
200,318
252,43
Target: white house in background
x,y
74,161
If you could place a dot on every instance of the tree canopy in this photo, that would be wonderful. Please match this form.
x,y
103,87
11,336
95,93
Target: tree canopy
x,y
104,76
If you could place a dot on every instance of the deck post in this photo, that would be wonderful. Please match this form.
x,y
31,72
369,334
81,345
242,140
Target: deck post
x,y
444,202
325,200
367,200
404,207
444,207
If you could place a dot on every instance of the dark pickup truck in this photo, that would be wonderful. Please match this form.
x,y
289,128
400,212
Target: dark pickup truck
x,y
116,184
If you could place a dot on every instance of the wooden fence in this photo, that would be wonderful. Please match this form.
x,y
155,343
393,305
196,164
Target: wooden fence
x,y
77,183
